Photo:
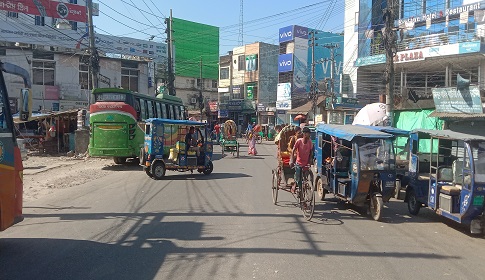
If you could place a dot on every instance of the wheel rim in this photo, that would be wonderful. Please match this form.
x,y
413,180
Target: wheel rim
x,y
375,208
308,202
275,188
412,202
158,171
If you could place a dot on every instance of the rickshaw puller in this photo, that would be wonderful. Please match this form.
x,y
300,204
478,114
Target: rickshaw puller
x,y
303,152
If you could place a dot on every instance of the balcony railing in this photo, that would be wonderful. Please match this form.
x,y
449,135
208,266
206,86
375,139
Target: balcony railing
x,y
420,42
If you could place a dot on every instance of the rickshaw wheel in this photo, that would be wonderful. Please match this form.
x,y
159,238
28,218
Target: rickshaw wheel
x,y
413,204
208,169
320,189
307,198
237,151
376,205
275,186
158,169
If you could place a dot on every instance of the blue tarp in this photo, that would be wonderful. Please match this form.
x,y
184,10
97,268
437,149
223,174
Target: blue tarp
x,y
179,122
348,131
389,129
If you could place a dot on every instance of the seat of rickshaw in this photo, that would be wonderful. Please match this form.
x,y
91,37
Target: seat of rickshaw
x,y
451,190
424,176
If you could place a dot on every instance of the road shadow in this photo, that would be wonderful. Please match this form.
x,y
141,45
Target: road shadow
x,y
35,167
171,175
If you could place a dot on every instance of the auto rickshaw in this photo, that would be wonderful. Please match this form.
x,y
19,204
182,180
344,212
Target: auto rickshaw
x,y
228,140
356,164
447,174
166,134
401,149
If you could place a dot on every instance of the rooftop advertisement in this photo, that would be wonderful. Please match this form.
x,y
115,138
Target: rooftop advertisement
x,y
73,39
288,33
46,8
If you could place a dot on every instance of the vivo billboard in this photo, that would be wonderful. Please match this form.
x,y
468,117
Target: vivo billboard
x,y
285,62
300,32
286,34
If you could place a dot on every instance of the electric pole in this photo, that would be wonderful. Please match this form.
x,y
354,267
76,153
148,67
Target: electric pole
x,y
389,36
171,77
94,58
201,97
332,48
313,96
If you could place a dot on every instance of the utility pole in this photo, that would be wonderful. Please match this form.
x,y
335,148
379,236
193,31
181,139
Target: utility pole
x,y
171,77
201,97
332,48
389,36
94,58
313,96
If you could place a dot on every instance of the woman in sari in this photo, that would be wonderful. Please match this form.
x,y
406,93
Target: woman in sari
x,y
252,143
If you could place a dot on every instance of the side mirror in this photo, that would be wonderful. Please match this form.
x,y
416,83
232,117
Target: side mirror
x,y
25,112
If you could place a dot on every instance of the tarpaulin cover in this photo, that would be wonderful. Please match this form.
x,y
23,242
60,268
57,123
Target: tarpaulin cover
x,y
409,120
349,132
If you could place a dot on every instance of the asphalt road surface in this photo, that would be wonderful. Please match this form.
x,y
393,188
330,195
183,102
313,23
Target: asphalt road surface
x,y
225,226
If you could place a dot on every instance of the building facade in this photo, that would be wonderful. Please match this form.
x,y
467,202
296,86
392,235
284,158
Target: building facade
x,y
247,84
437,42
298,59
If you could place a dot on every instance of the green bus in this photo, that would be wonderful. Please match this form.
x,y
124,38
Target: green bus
x,y
117,121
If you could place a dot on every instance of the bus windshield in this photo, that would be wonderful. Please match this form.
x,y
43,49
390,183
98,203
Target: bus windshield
x,y
110,97
377,155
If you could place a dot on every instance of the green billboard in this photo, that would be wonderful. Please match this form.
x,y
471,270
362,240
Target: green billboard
x,y
193,41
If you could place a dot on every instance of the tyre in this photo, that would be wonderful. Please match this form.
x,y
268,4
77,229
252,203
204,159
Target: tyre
x,y
320,189
307,198
375,206
413,204
119,160
208,168
275,186
142,157
148,172
158,170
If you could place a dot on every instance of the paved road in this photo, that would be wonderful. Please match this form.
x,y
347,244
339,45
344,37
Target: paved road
x,y
224,226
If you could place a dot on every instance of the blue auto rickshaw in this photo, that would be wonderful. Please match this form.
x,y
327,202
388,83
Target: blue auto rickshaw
x,y
356,164
447,174
401,149
165,147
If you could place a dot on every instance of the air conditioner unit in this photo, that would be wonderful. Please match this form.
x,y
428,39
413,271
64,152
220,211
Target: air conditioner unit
x,y
193,100
23,45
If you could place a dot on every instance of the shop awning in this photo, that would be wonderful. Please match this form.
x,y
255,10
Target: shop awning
x,y
456,115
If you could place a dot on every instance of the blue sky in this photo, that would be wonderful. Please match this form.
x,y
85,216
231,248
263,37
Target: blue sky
x,y
143,18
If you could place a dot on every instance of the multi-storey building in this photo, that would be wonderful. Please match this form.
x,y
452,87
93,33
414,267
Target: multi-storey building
x,y
438,43
297,61
247,84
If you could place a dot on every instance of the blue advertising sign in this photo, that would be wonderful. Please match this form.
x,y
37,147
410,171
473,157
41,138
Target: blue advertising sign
x,y
300,32
285,62
286,34
370,60
223,114
469,47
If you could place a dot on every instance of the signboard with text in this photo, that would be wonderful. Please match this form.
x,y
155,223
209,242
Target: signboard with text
x,y
46,8
460,101
283,96
285,62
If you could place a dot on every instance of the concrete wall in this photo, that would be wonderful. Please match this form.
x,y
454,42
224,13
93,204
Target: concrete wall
x,y
350,44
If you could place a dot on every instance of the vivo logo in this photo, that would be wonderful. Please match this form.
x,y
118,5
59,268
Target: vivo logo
x,y
285,63
285,34
301,32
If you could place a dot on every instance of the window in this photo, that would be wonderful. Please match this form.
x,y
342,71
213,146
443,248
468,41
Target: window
x,y
172,113
159,110
198,83
143,110
12,15
224,73
73,24
39,20
150,109
129,75
182,113
4,126
236,92
164,111
177,113
43,72
241,62
138,109
214,83
84,79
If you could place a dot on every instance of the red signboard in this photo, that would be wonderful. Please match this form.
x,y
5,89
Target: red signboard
x,y
213,106
46,8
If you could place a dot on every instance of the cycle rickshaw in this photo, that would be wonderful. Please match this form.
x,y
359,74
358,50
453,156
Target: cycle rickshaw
x,y
283,175
229,140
